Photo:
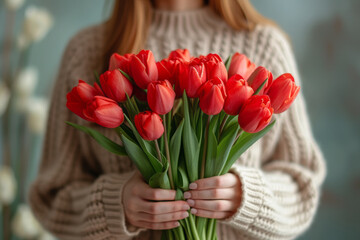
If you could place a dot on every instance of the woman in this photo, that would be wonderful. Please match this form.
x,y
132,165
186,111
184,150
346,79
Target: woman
x,y
82,191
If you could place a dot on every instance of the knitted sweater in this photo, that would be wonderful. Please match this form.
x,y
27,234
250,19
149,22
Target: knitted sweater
x,y
78,191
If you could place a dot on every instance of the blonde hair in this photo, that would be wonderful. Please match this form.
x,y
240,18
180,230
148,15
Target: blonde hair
x,y
127,27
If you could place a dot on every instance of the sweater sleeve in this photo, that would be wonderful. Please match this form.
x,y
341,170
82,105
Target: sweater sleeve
x,y
280,197
71,196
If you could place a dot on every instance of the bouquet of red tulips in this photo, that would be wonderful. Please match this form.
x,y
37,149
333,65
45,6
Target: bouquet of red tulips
x,y
182,118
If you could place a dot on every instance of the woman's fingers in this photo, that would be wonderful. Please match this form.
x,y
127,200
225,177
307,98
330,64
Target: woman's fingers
x,y
225,181
213,205
158,226
161,218
163,207
155,194
211,214
212,194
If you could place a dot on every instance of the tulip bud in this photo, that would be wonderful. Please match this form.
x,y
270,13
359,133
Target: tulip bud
x,y
80,95
143,68
283,92
149,125
181,73
215,67
237,91
166,69
160,96
212,96
255,114
105,112
258,77
240,64
193,77
121,62
180,54
116,85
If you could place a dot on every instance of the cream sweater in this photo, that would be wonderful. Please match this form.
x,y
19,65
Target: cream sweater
x,y
77,194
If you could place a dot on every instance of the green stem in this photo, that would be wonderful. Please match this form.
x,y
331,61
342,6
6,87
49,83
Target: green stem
x,y
205,148
168,154
194,232
223,124
238,135
158,150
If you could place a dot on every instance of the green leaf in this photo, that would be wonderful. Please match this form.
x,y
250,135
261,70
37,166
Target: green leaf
x,y
224,147
97,78
179,194
191,144
160,179
139,158
127,76
261,87
228,62
175,146
211,149
105,142
183,181
245,141
146,147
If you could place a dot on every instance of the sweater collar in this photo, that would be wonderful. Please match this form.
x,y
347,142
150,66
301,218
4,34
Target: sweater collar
x,y
185,23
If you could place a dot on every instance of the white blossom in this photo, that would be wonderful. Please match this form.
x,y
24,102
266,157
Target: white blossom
x,y
4,97
37,23
7,185
37,111
24,224
24,86
14,5
45,235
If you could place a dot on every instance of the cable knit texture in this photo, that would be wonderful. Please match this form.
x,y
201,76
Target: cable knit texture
x,y
77,194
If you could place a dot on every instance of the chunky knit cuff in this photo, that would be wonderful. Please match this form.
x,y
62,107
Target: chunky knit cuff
x,y
252,197
113,207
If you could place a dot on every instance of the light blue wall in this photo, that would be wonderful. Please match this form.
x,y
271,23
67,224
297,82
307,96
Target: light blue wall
x,y
326,37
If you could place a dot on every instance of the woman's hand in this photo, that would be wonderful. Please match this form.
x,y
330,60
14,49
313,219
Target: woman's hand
x,y
142,211
215,197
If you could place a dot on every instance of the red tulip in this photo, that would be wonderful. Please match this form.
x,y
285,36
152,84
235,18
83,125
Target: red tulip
x,y
237,91
80,95
119,61
215,67
116,85
160,96
181,74
166,69
283,92
193,77
149,125
258,77
105,112
180,54
143,68
240,64
212,96
255,114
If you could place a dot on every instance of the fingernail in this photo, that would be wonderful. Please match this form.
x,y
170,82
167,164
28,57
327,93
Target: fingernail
x,y
184,214
185,207
193,186
187,195
193,211
177,224
191,202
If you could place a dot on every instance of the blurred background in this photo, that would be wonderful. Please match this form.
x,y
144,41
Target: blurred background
x,y
325,35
